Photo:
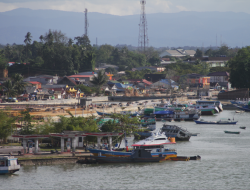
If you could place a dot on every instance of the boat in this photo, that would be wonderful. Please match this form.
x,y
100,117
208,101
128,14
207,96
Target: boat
x,y
239,111
132,114
205,102
177,115
179,133
155,144
220,122
242,127
206,109
232,132
137,155
8,165
244,108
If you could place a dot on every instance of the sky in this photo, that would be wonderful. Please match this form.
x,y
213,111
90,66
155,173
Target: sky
x,y
129,7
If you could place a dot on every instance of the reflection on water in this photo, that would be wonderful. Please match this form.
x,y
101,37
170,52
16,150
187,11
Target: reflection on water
x,y
224,164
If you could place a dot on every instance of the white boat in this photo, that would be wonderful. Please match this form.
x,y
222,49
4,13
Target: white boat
x,y
157,138
205,102
8,165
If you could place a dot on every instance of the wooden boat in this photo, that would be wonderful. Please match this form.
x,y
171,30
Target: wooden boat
x,y
155,144
137,155
239,111
8,165
232,132
220,122
242,127
244,108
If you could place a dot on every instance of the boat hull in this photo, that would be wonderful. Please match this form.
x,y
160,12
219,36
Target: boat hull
x,y
242,108
96,152
103,159
232,132
216,123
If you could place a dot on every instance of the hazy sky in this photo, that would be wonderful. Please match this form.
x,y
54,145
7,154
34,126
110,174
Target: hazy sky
x,y
129,7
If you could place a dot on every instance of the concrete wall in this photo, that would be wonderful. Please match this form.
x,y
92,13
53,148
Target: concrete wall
x,y
59,102
135,98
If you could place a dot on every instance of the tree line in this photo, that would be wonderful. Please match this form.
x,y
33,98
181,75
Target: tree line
x,y
55,53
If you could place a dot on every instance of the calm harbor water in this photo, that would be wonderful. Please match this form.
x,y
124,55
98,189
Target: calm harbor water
x,y
224,164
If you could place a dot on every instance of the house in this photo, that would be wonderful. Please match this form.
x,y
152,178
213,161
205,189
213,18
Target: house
x,y
196,80
178,53
165,83
152,68
212,61
220,79
67,81
43,79
166,61
38,85
154,77
83,77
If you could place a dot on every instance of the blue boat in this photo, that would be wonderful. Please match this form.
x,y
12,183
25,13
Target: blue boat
x,y
8,165
245,108
220,122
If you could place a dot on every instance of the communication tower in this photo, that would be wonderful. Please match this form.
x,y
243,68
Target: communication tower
x,y
86,22
143,29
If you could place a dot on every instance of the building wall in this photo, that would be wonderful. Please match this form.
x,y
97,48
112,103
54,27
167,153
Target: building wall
x,y
232,95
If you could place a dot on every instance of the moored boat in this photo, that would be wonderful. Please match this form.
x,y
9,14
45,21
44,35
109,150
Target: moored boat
x,y
205,102
8,165
242,127
232,132
220,122
155,144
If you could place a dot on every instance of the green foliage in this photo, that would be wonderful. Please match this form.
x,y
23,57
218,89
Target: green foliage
x,y
136,74
86,89
198,53
219,69
88,124
27,123
99,80
3,62
5,125
111,70
187,68
240,69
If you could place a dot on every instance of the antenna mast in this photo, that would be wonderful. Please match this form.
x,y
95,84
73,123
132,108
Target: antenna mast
x,y
86,22
143,29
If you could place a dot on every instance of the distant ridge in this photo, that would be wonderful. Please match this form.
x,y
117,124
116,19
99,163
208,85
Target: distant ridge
x,y
164,29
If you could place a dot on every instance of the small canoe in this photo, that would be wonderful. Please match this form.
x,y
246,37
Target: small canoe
x,y
243,127
232,132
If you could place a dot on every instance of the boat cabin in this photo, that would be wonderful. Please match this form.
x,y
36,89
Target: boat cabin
x,y
8,164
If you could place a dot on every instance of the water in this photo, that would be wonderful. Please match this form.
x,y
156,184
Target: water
x,y
224,164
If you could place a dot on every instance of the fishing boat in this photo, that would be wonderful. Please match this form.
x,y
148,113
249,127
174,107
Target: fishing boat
x,y
242,127
232,132
220,122
216,103
244,108
137,155
179,133
177,115
155,144
206,109
8,165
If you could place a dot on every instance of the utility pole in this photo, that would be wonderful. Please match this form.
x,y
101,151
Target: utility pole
x,y
143,29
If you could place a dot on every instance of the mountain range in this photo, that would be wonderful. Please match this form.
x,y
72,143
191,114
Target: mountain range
x,y
164,29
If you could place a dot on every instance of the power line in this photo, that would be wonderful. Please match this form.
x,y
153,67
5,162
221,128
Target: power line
x,y
143,29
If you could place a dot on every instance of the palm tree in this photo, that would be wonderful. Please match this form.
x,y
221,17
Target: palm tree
x,y
99,80
27,41
9,88
18,83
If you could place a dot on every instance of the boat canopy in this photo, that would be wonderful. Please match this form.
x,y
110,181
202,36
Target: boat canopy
x,y
163,112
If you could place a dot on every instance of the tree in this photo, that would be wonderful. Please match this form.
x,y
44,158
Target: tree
x,y
6,125
18,83
28,126
86,89
27,42
240,69
198,53
99,80
9,88
122,124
